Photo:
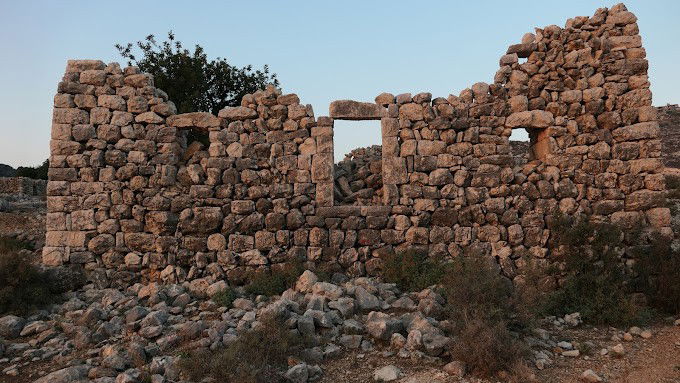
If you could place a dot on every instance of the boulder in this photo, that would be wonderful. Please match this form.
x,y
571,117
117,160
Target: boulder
x,y
11,326
387,374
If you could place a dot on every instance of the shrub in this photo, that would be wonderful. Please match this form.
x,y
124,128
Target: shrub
x,y
224,298
35,172
474,289
412,270
673,187
595,282
489,348
23,287
275,281
658,270
483,308
9,244
255,356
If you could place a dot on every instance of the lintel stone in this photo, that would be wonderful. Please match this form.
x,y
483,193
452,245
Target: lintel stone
x,y
355,110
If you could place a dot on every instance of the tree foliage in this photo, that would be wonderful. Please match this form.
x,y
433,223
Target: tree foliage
x,y
36,172
192,81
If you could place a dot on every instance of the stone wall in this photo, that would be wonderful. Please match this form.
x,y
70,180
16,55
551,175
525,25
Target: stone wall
x,y
127,198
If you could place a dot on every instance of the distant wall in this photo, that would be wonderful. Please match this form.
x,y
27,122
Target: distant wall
x,y
23,185
669,121
127,198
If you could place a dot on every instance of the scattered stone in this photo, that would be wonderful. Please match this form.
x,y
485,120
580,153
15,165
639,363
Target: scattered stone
x,y
65,375
590,376
381,326
387,374
11,326
455,368
573,320
297,373
617,350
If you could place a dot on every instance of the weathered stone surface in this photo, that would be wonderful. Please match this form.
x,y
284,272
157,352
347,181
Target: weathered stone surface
x,y
200,220
11,326
354,110
381,326
530,119
201,120
387,374
65,375
237,113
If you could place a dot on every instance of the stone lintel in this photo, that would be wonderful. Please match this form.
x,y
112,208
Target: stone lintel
x,y
355,110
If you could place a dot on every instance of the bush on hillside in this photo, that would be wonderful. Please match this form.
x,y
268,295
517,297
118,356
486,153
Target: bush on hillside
x,y
484,311
224,298
23,286
35,172
412,270
595,281
658,269
256,356
275,281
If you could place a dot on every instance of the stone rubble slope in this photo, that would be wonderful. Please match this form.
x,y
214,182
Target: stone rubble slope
x,y
114,335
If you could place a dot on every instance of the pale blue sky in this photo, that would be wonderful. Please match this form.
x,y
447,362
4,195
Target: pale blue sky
x,y
321,50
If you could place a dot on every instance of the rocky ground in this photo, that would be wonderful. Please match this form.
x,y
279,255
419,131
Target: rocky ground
x,y
365,331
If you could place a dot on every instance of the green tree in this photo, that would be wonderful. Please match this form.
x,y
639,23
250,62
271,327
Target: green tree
x,y
192,81
37,172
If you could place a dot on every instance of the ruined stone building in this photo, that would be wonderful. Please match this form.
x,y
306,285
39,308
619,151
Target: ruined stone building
x,y
128,197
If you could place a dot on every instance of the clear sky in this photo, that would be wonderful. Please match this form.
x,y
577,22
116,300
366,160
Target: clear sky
x,y
321,50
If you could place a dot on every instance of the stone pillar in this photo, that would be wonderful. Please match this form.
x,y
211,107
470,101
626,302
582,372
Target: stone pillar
x,y
322,161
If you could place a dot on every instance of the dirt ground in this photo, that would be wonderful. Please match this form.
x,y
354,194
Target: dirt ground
x,y
654,360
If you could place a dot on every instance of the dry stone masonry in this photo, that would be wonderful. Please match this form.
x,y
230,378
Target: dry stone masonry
x,y
129,198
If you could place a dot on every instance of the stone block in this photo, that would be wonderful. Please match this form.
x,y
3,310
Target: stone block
x,y
322,167
354,110
202,120
237,113
394,170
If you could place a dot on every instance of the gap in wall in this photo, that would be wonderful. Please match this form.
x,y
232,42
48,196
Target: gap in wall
x,y
358,166
520,145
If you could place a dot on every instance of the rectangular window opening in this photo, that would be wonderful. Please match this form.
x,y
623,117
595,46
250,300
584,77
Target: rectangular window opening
x,y
357,172
519,146
529,145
